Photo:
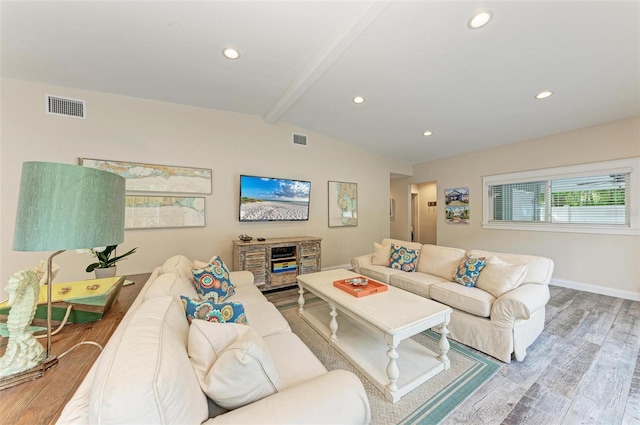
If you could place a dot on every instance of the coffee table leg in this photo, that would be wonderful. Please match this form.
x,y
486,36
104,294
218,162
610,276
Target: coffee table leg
x,y
301,300
393,373
333,324
444,345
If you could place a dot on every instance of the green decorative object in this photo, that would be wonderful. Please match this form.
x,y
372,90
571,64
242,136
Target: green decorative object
x,y
90,300
64,206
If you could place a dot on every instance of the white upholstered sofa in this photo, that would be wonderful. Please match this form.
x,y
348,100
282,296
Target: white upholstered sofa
x,y
501,315
154,367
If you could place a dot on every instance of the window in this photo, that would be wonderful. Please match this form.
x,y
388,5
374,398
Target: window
x,y
589,198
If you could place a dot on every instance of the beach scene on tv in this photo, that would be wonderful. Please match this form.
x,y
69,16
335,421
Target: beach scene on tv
x,y
271,199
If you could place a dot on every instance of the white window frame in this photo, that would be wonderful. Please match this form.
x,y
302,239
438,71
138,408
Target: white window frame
x,y
626,165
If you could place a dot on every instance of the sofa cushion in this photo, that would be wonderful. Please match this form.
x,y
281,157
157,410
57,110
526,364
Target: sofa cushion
x,y
213,312
247,295
498,277
417,283
440,261
381,254
170,284
472,300
212,281
265,319
468,270
407,244
295,362
233,363
144,375
179,265
379,273
539,270
403,258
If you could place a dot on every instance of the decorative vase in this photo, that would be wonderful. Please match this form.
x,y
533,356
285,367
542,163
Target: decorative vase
x,y
106,272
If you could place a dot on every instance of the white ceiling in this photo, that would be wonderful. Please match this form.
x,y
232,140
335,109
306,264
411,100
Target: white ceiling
x,y
416,63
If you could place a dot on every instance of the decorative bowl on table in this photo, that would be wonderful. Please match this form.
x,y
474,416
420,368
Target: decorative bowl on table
x,y
357,281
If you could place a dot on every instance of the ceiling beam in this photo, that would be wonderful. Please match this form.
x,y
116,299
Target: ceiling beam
x,y
323,60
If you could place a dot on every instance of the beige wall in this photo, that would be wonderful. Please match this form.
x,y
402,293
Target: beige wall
x,y
608,263
131,129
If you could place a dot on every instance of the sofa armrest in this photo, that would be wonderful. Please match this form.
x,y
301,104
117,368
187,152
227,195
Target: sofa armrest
x,y
336,397
519,303
361,261
241,278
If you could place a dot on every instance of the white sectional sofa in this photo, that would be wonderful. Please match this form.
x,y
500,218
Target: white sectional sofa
x,y
152,369
502,315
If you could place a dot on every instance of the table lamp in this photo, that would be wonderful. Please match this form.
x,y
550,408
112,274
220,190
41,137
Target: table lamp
x,y
61,207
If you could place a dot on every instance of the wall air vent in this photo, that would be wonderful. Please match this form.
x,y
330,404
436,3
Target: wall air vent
x,y
299,139
63,106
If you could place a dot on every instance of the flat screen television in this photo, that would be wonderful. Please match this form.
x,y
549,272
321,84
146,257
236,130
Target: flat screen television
x,y
273,199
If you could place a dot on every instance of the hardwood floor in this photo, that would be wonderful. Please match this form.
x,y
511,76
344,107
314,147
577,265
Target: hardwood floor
x,y
583,369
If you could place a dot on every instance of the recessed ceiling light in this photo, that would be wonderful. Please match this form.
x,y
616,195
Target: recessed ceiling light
x,y
480,19
543,94
427,133
358,99
230,53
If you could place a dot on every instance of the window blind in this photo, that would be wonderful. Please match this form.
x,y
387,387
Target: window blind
x,y
598,199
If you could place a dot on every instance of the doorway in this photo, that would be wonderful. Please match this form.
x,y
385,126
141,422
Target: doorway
x,y
415,216
424,213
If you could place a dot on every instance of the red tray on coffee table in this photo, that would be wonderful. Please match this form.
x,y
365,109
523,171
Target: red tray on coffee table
x,y
372,287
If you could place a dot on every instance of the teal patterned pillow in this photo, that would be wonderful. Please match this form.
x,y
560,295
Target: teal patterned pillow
x,y
404,259
212,281
468,270
212,312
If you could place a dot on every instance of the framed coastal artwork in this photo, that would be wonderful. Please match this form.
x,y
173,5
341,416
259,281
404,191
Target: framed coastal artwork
x,y
148,212
343,204
140,177
456,205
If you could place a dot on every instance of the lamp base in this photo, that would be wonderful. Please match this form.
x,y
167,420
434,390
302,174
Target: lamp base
x,y
28,375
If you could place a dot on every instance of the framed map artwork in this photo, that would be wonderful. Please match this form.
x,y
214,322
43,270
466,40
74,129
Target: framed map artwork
x,y
141,177
343,204
148,212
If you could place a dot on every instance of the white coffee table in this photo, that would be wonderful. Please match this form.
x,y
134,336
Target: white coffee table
x,y
373,332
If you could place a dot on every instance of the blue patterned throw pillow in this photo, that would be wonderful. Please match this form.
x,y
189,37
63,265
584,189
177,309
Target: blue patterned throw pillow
x,y
404,259
212,312
468,270
212,281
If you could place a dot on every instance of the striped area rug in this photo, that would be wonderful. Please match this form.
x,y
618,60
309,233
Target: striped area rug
x,y
428,404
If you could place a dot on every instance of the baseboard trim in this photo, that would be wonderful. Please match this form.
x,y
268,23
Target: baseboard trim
x,y
619,293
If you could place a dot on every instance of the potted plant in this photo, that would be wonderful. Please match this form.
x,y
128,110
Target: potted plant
x,y
106,264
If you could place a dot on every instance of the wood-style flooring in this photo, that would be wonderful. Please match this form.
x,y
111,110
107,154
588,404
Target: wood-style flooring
x,y
583,369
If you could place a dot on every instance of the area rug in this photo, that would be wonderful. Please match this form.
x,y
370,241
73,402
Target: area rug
x,y
428,404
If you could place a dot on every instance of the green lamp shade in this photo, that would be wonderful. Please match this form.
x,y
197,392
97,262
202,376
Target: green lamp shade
x,y
64,206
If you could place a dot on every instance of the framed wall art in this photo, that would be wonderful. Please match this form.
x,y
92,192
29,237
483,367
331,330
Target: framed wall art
x,y
142,177
343,204
456,205
148,212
